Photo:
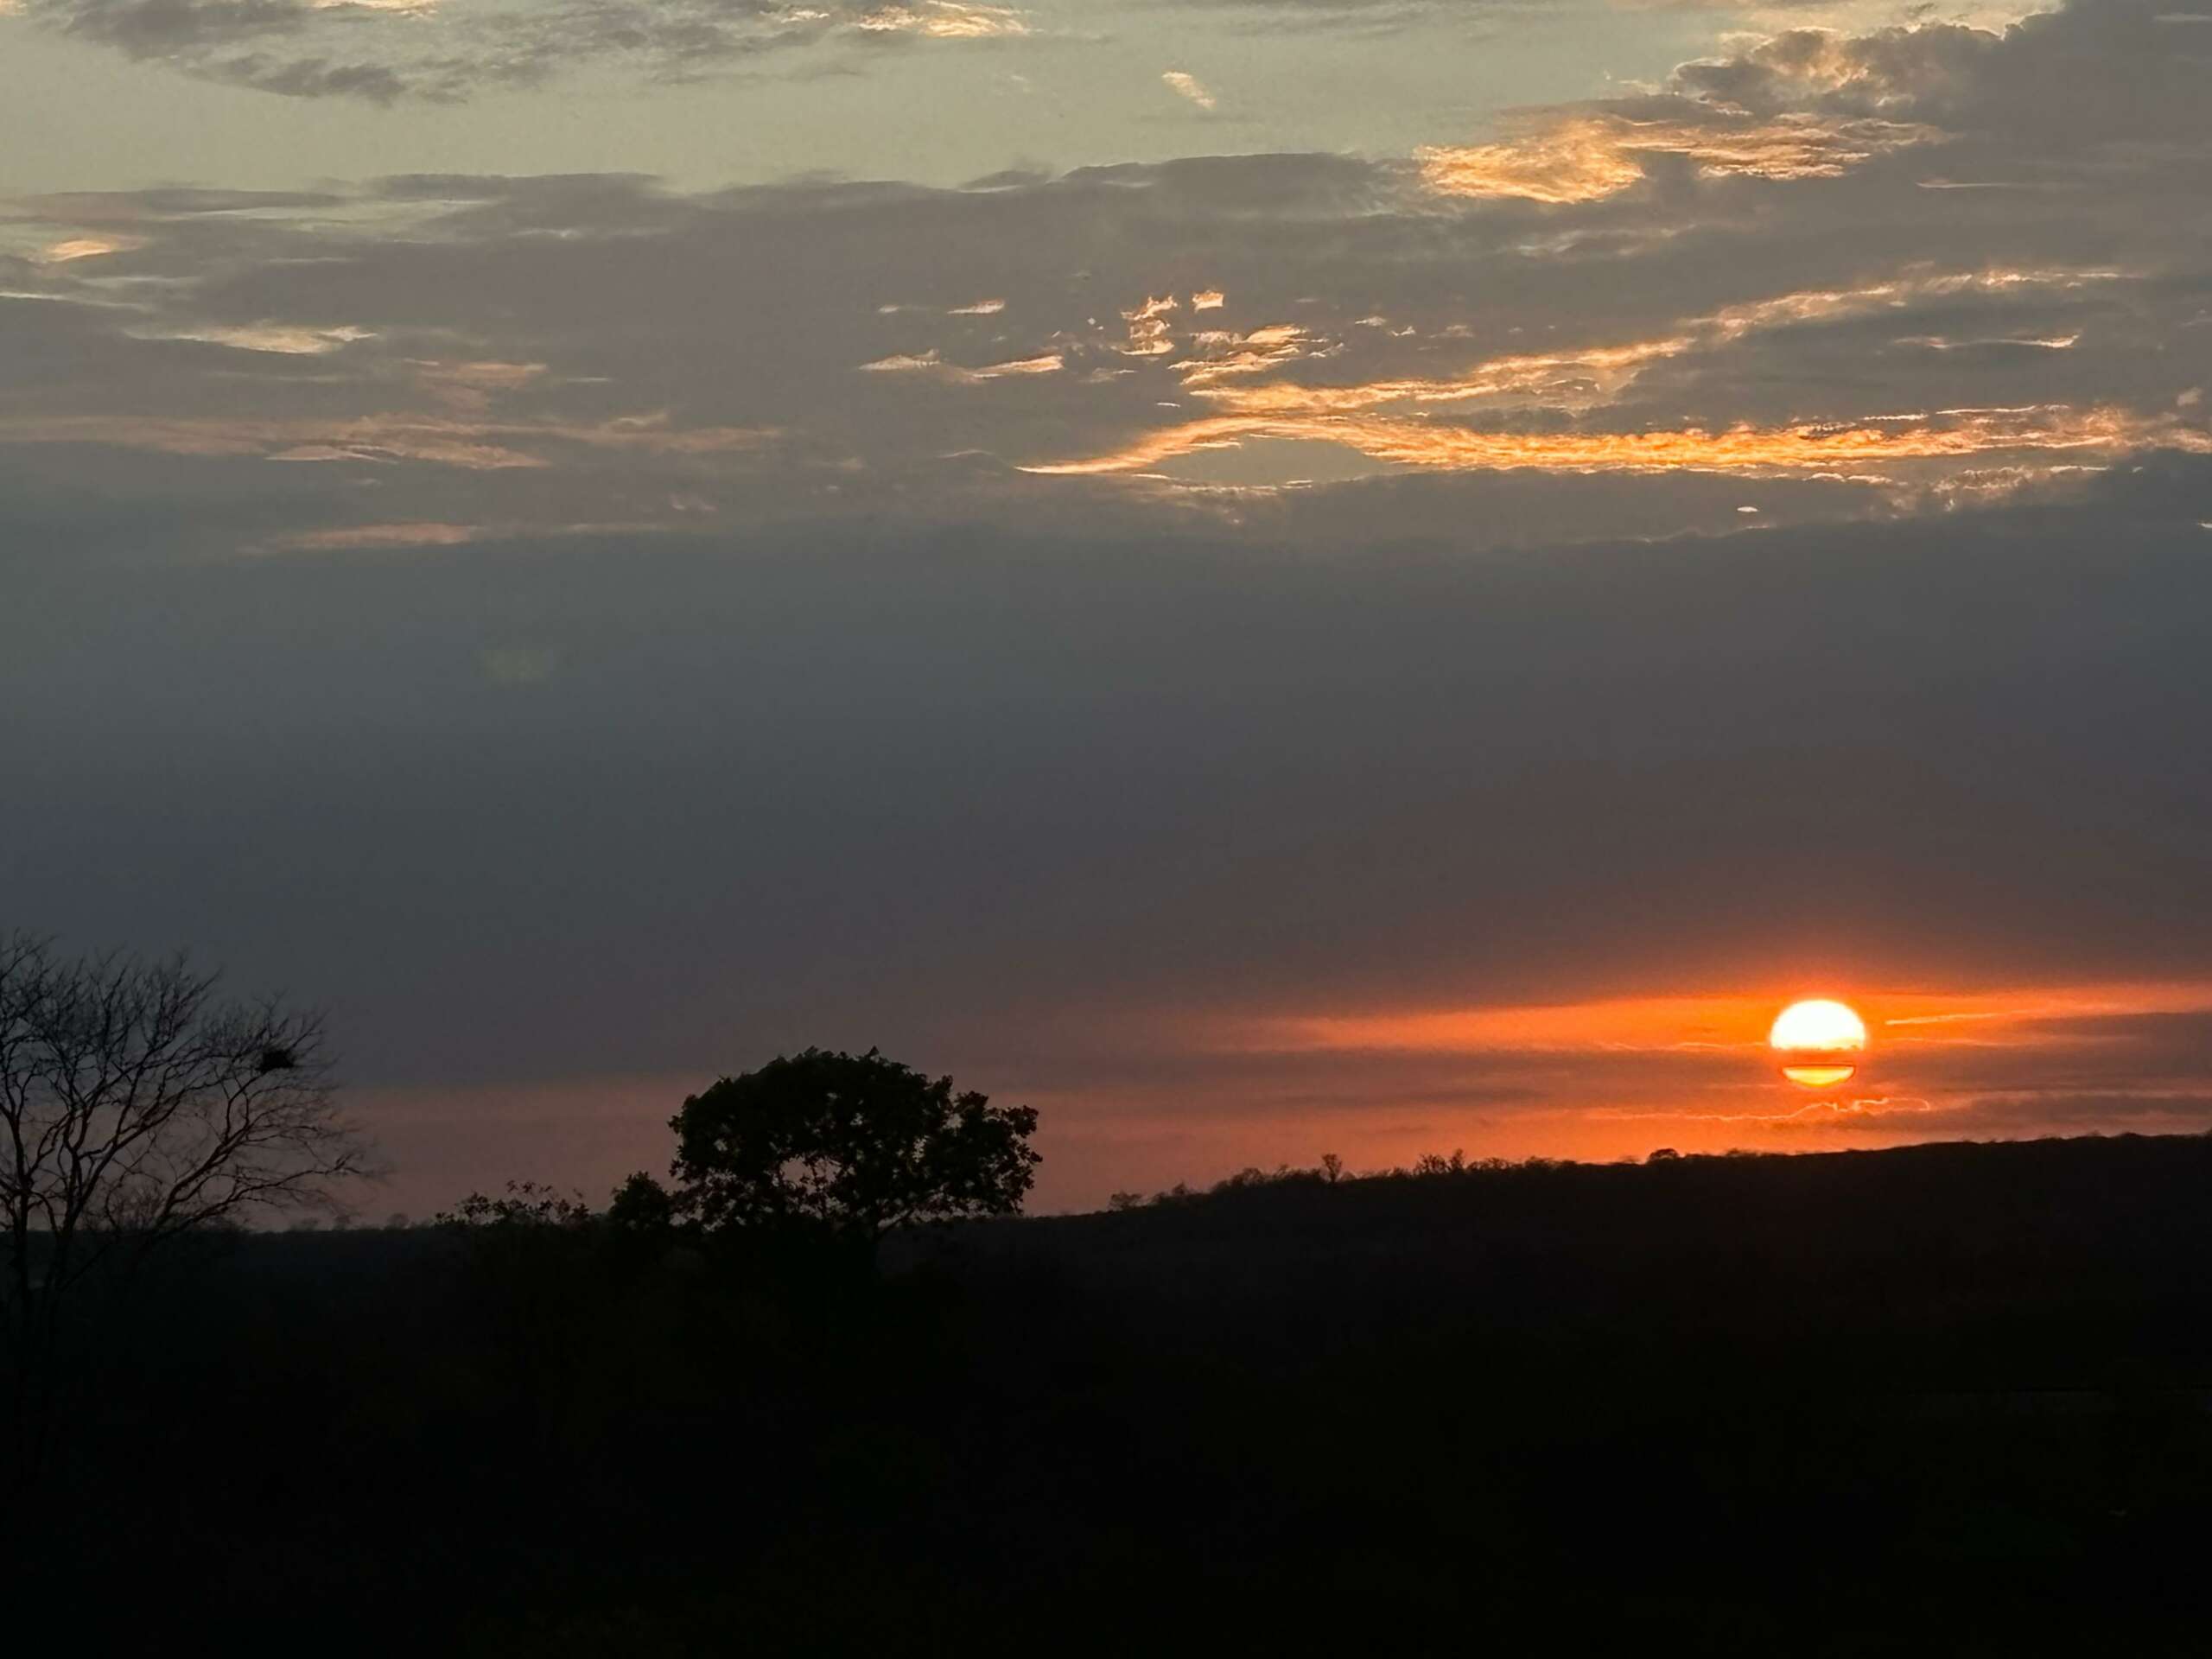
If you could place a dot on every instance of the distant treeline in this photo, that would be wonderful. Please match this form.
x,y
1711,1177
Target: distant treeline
x,y
1331,1170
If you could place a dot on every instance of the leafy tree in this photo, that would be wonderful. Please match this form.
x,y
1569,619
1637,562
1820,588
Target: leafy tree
x,y
850,1144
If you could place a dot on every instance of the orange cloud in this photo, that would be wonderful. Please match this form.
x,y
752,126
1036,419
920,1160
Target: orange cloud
x,y
1576,379
1804,448
1572,380
1150,333
1220,353
84,247
1580,158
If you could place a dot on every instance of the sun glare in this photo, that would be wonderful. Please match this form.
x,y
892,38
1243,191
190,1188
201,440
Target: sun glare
x,y
1818,1024
1820,1043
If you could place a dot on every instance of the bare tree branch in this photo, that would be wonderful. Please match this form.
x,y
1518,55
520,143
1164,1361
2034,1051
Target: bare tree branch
x,y
136,1105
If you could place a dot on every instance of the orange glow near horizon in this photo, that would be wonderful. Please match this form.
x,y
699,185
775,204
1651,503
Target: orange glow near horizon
x,y
1613,1023
1747,1022
1613,1077
1593,1080
1819,1077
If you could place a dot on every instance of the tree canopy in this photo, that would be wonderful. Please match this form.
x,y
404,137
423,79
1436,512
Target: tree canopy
x,y
849,1144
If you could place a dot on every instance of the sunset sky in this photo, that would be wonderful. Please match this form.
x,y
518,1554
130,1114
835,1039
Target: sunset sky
x,y
1265,577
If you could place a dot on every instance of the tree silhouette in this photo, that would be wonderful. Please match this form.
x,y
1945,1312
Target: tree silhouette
x,y
136,1106
526,1203
642,1204
848,1144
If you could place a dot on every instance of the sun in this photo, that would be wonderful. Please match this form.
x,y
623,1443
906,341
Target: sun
x,y
1819,1042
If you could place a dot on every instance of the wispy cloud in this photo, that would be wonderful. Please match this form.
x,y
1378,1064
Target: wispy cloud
x,y
385,50
73,248
1580,158
284,340
1188,86
1949,435
928,363
478,446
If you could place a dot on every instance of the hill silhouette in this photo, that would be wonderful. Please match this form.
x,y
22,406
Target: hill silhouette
x,y
1950,1397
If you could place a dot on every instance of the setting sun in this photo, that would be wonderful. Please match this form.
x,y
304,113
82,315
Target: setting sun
x,y
1819,1042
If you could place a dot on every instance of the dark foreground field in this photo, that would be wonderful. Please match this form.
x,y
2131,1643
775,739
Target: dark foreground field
x,y
1950,1399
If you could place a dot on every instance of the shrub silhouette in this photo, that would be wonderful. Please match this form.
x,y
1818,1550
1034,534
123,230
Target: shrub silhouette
x,y
642,1204
849,1146
527,1204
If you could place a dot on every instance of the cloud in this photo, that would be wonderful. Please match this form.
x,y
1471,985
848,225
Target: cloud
x,y
84,247
1814,103
943,20
930,364
1863,345
470,445
1944,434
355,537
1189,87
383,51
263,337
1588,157
361,535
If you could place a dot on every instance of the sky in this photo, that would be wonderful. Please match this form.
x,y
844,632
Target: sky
x,y
1272,578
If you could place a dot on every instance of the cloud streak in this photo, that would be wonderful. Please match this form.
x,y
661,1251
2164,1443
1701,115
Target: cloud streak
x,y
1578,158
383,51
1944,434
